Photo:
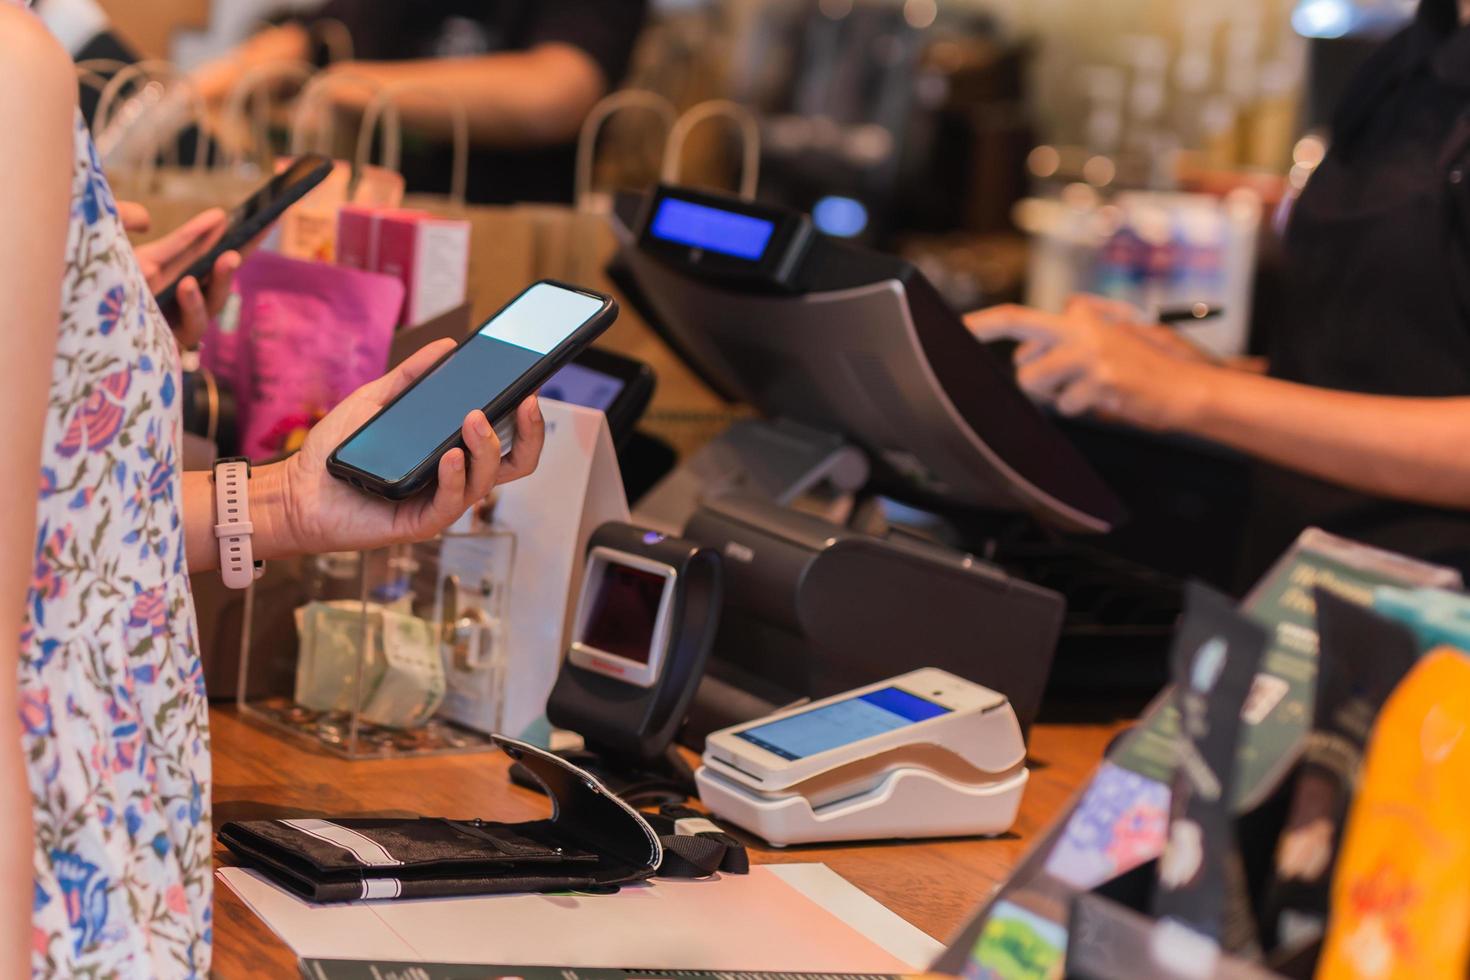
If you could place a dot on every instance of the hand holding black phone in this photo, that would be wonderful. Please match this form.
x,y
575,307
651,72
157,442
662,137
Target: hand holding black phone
x,y
252,217
396,454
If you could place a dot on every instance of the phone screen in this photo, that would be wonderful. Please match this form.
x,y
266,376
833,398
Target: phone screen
x,y
502,352
267,195
842,723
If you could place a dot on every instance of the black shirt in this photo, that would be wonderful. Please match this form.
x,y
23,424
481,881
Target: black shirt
x,y
401,30
1378,276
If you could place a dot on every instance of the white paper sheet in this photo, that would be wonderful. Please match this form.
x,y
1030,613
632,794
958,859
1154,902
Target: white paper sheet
x,y
789,918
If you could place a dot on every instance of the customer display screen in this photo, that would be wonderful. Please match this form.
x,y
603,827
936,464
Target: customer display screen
x,y
499,355
621,619
699,226
842,723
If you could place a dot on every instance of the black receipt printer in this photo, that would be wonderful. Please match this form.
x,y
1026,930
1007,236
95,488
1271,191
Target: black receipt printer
x,y
813,609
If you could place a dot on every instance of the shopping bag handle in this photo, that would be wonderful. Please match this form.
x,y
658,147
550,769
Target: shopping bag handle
x,y
312,101
96,72
592,126
108,104
102,66
336,37
745,122
91,78
242,96
149,69
385,105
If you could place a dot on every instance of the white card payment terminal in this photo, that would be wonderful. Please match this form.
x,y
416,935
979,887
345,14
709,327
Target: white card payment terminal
x,y
927,754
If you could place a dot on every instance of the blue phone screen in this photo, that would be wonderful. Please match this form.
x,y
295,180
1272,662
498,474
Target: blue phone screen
x,y
503,351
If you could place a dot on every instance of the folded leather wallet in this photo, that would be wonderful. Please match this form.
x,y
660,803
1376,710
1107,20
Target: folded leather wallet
x,y
593,841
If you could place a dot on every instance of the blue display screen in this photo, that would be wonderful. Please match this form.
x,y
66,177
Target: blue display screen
x,y
842,723
726,232
578,385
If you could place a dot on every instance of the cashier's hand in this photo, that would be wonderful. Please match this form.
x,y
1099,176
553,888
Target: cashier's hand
x,y
1096,358
164,259
325,514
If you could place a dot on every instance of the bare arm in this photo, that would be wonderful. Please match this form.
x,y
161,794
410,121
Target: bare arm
x,y
36,106
1407,448
1083,362
217,79
298,508
529,98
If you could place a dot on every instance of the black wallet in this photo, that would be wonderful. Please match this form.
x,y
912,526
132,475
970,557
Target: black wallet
x,y
592,841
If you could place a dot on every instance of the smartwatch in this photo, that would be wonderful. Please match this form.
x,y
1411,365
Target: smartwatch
x,y
232,527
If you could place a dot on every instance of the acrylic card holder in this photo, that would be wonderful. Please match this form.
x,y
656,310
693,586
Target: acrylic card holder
x,y
398,651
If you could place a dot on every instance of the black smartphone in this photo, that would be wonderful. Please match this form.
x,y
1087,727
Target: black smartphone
x,y
254,216
396,454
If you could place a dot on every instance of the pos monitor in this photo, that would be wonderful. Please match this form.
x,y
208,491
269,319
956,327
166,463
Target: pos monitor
x,y
843,339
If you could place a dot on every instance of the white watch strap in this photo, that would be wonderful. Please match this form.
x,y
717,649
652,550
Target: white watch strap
x,y
233,527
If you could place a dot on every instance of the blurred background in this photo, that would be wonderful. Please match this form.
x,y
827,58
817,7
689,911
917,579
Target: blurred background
x,y
991,140
1015,150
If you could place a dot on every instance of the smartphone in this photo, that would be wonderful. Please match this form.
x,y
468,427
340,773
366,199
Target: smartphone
x,y
254,216
396,454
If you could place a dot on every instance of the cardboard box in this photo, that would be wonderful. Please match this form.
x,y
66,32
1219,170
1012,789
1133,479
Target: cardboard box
x,y
431,256
358,228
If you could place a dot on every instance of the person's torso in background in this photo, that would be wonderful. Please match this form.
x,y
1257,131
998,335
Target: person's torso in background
x,y
1378,251
393,30
1378,281
435,28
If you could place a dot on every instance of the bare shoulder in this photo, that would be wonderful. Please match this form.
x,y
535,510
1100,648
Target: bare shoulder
x,y
33,65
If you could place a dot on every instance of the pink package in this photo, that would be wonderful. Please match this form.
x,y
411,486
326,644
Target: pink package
x,y
431,256
308,335
358,228
357,237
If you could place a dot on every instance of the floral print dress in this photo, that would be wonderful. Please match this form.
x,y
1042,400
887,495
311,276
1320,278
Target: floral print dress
x,y
115,723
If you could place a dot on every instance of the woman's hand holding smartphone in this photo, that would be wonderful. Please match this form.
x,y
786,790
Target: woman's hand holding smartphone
x,y
201,257
325,514
166,262
402,449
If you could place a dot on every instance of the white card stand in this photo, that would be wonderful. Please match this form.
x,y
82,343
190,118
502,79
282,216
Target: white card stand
x,y
576,489
907,804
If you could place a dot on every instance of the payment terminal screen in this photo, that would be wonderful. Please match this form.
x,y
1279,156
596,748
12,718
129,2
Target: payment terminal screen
x,y
624,613
712,229
578,385
842,723
501,352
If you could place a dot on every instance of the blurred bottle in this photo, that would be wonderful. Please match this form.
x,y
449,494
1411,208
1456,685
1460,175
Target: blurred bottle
x,y
1219,126
1274,117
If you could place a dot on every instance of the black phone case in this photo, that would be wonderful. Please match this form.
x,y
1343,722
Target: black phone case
x,y
496,411
240,235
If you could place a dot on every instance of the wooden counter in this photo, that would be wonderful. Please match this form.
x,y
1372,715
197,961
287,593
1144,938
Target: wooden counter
x,y
936,886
